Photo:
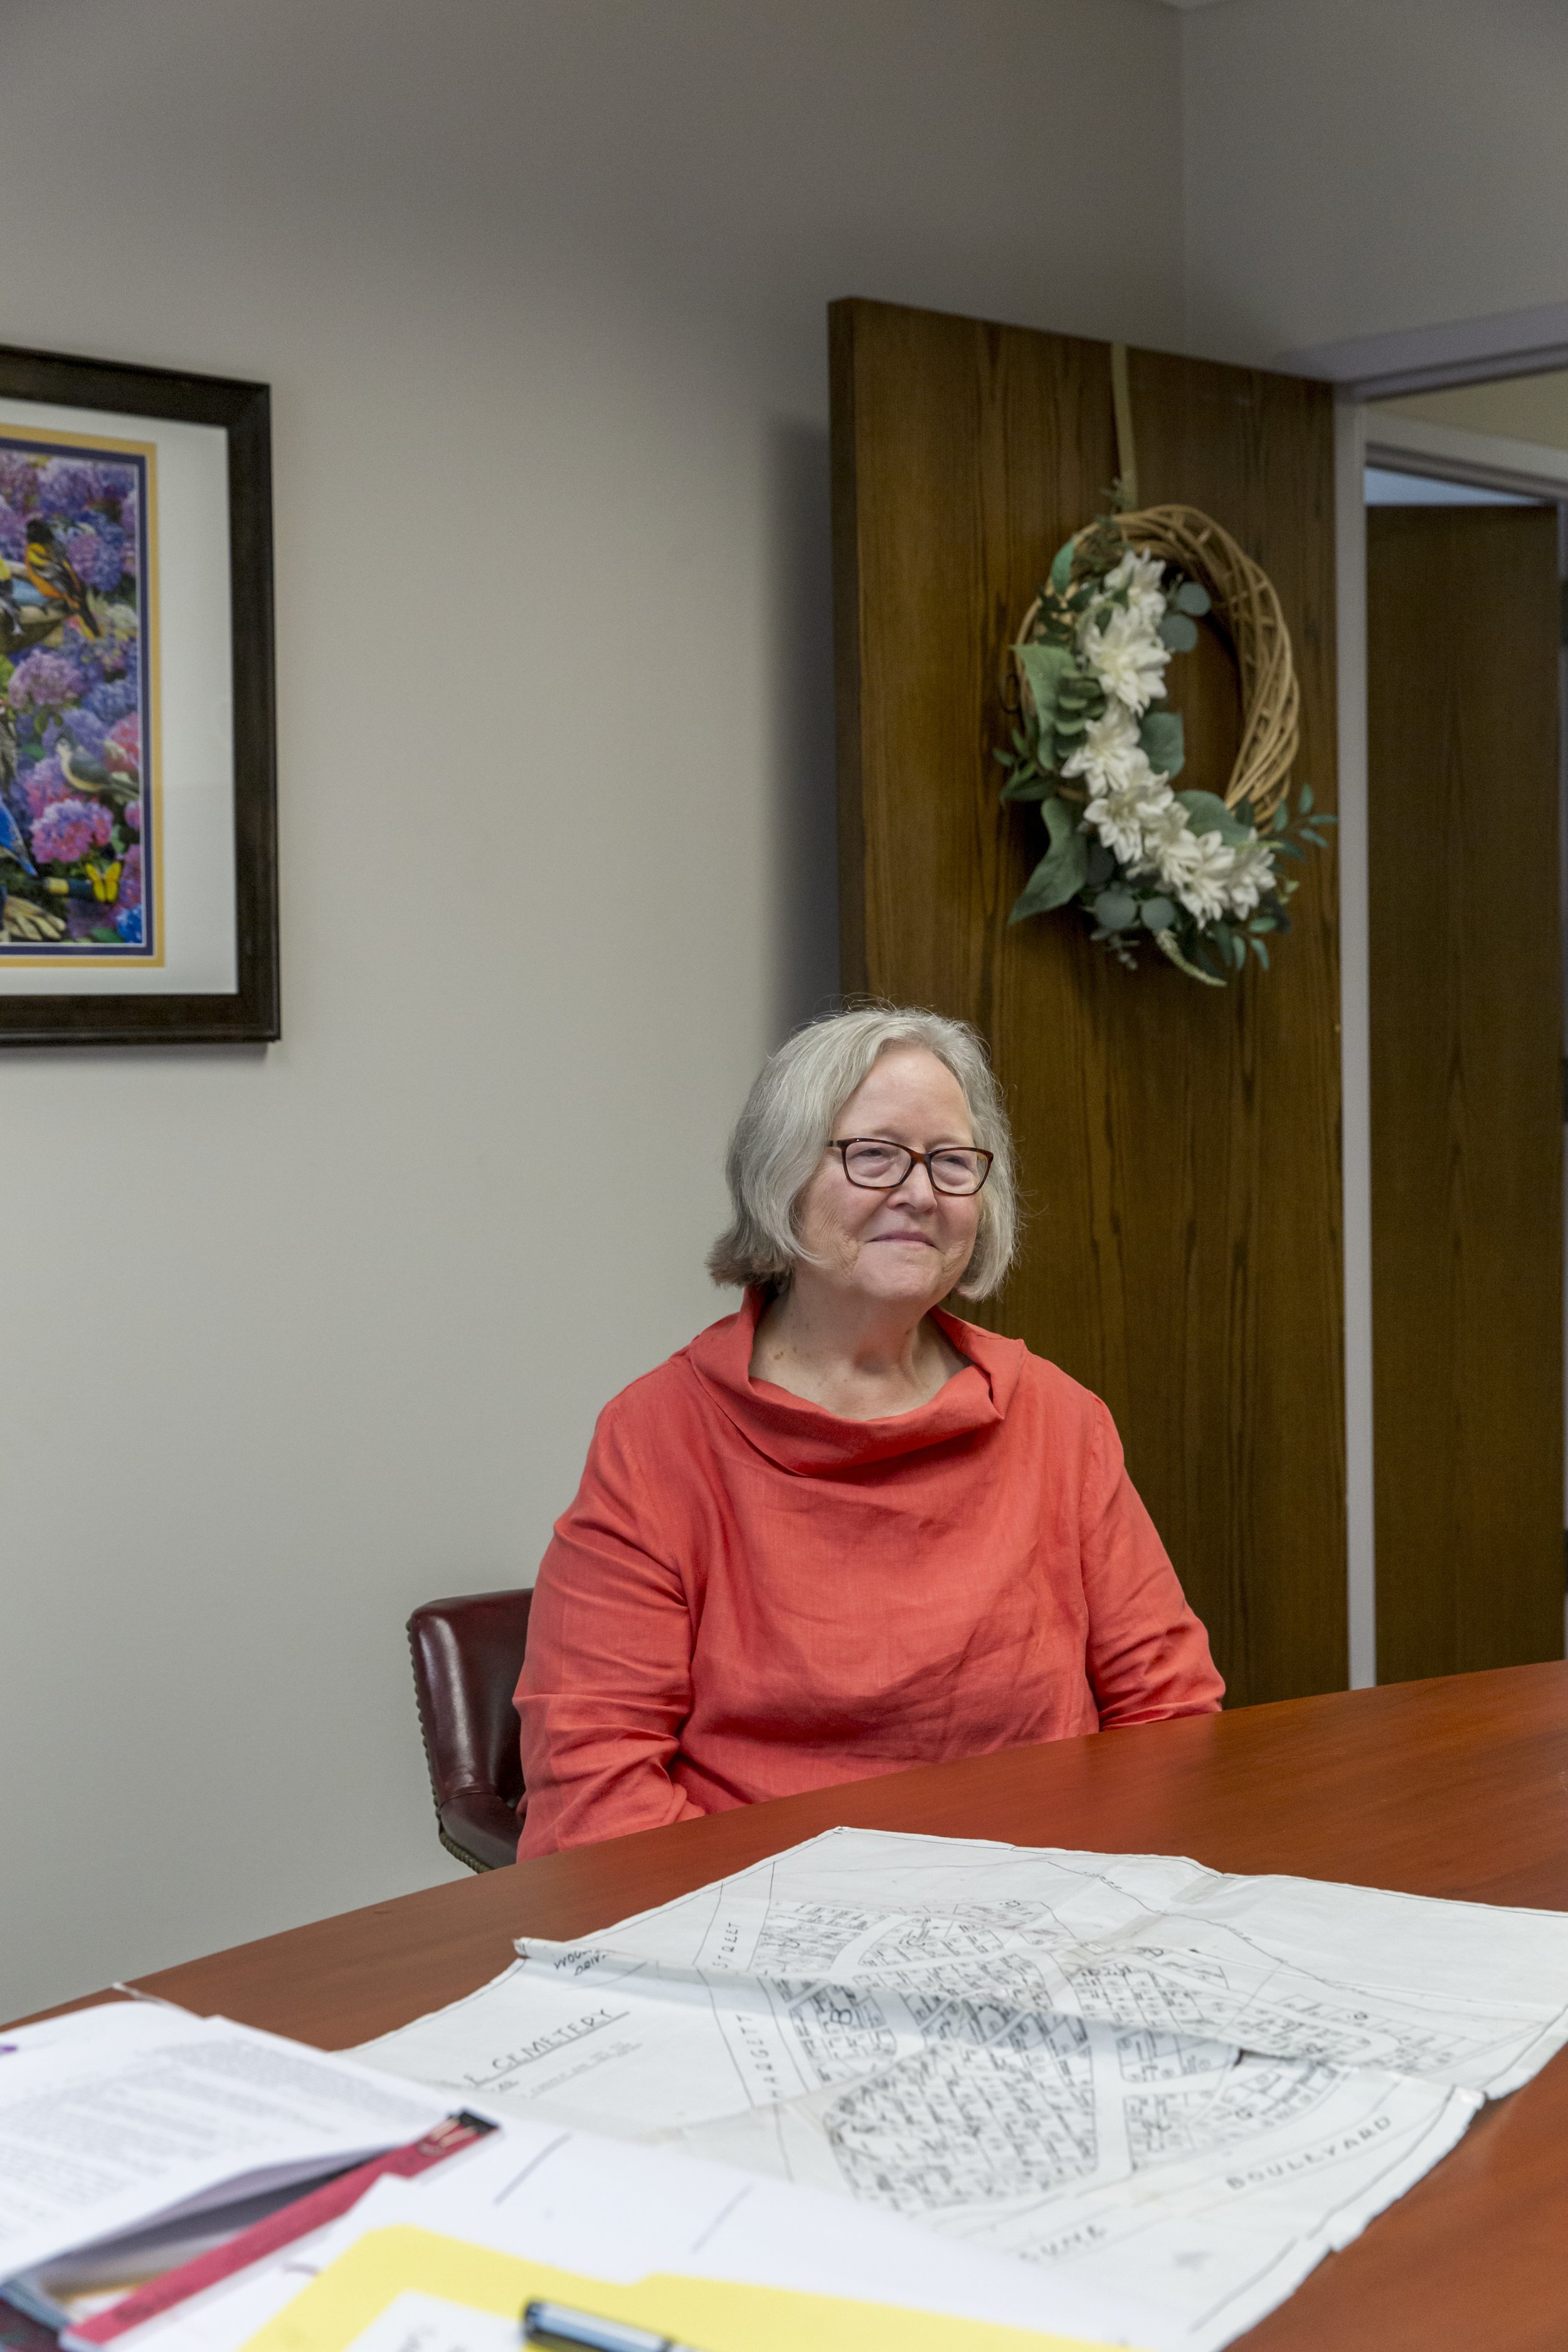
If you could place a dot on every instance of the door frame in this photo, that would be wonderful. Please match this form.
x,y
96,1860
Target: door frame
x,y
1364,370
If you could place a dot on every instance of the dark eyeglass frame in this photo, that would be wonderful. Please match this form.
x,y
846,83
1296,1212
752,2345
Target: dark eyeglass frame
x,y
845,1144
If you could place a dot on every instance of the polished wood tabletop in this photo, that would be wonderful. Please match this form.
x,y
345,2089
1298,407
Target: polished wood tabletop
x,y
1455,1787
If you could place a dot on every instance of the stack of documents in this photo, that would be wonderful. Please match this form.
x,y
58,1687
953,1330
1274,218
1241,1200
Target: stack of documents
x,y
133,2135
1129,2074
443,2260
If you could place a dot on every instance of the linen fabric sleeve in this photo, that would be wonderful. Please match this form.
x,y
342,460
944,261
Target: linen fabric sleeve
x,y
606,1679
1148,1654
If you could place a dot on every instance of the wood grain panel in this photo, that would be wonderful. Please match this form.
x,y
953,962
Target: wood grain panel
x,y
1450,1787
1180,1146
1467,1129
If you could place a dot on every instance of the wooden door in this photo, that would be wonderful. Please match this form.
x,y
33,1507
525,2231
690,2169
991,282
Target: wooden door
x,y
1467,1107
1180,1144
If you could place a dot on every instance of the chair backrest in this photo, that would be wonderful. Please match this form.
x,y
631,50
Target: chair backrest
x,y
467,1654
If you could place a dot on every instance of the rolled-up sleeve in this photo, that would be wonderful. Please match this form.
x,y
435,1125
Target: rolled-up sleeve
x,y
606,1683
1148,1654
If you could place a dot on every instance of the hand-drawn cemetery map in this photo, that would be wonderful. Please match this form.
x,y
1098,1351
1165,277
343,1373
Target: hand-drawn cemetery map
x,y
1127,2069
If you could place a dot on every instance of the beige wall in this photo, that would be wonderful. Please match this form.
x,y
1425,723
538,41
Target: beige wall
x,y
1531,408
1357,166
299,1339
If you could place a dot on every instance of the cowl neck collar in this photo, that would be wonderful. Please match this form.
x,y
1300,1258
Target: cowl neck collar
x,y
807,1438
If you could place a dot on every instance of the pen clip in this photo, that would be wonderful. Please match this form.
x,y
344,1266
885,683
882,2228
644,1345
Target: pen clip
x,y
557,2328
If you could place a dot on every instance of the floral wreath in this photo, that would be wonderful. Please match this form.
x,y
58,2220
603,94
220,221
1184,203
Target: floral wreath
x,y
1098,746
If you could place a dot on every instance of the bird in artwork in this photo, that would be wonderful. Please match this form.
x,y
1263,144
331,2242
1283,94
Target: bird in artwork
x,y
55,578
12,843
91,777
24,620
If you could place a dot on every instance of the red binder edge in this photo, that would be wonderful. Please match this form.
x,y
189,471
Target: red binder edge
x,y
284,2227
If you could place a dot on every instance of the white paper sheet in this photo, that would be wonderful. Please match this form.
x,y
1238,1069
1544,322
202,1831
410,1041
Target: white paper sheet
x,y
1121,2069
109,2130
613,2210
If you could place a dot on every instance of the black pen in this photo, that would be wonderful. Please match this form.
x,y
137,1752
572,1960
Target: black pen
x,y
561,2329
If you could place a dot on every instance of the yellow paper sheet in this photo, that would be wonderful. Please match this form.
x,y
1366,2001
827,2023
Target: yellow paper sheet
x,y
711,2314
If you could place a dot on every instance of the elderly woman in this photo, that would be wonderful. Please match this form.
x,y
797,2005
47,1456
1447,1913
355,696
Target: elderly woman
x,y
843,1532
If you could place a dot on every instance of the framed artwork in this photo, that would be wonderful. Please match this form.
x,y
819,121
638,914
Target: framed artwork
x,y
138,837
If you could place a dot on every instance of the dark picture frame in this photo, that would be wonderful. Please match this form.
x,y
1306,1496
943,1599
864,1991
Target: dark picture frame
x,y
249,1013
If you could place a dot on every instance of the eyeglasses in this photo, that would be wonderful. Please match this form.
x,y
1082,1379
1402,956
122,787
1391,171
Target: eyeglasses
x,y
878,1167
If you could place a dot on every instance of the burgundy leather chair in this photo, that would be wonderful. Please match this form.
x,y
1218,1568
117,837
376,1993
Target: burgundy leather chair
x,y
467,1653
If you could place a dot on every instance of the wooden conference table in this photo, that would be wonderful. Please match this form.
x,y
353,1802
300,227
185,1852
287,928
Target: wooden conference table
x,y
1458,1787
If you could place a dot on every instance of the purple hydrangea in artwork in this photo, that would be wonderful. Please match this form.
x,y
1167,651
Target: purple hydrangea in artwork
x,y
67,488
96,554
45,680
131,878
98,657
88,732
13,533
18,480
132,816
68,831
40,786
110,698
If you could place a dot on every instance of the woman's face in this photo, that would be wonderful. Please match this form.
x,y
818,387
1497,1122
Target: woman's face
x,y
909,1246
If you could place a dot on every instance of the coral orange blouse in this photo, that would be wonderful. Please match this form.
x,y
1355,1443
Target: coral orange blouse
x,y
752,1596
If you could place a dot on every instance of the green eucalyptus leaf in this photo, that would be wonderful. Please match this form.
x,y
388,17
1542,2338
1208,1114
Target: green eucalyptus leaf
x,y
1157,914
1281,816
1261,952
1102,865
1177,632
1032,786
1045,668
1206,813
1304,800
1061,569
1262,923
1059,876
1160,736
1190,598
1113,910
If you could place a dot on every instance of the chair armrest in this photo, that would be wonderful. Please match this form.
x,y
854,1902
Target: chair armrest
x,y
479,1828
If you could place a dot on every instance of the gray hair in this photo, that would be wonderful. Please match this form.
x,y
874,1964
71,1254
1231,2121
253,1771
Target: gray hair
x,y
789,1118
